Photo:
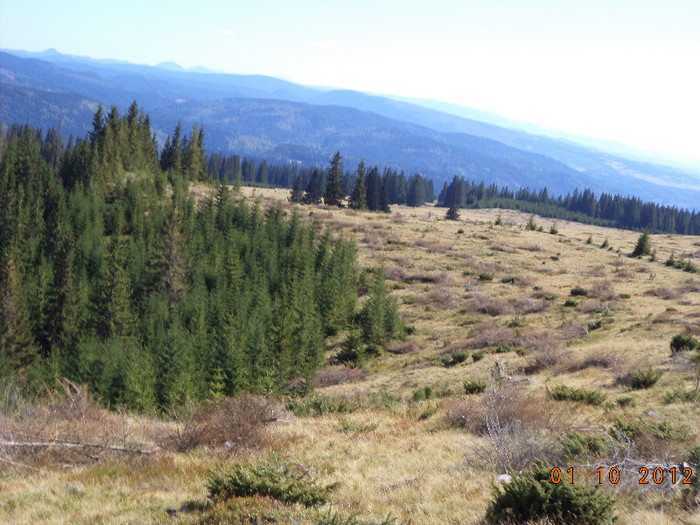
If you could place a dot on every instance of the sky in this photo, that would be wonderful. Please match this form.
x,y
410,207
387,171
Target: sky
x,y
621,70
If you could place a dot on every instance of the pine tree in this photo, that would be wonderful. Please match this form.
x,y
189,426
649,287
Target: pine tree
x,y
453,213
314,189
358,198
17,344
379,318
643,246
374,189
334,189
297,194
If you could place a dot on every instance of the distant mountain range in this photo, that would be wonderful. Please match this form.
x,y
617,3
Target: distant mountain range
x,y
261,116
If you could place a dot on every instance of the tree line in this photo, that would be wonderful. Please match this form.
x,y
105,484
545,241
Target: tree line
x,y
581,206
309,184
114,275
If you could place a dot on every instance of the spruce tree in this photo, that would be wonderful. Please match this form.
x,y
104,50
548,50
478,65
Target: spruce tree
x,y
643,246
297,194
334,189
453,213
314,189
358,198
374,189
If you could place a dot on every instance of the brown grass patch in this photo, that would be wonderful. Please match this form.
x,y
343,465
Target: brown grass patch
x,y
502,247
401,347
573,330
432,246
663,292
337,375
233,423
602,290
491,306
488,333
443,298
532,248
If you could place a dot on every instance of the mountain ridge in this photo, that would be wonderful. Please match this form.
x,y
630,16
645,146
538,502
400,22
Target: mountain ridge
x,y
410,138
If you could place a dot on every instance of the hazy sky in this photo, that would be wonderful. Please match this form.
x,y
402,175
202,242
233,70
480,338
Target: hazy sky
x,y
621,70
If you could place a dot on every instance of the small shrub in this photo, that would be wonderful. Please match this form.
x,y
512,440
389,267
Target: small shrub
x,y
532,496
681,343
589,240
574,444
642,379
474,387
553,230
605,244
565,393
691,493
531,225
502,348
350,426
478,355
499,221
678,395
625,296
485,276
423,394
570,302
626,401
508,280
455,358
287,483
578,291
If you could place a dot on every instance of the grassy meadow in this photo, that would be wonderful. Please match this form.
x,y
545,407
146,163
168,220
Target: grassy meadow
x,y
501,319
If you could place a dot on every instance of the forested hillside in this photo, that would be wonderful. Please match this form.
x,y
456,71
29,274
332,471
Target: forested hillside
x,y
581,206
114,275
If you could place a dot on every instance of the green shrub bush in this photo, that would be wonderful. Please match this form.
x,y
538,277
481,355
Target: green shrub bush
x,y
642,379
472,386
455,358
681,343
532,496
578,291
478,355
574,444
284,482
565,393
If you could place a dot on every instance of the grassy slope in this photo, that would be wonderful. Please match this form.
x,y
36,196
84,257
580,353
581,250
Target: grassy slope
x,y
414,465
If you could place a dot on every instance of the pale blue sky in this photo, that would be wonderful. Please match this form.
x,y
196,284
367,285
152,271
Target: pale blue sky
x,y
623,70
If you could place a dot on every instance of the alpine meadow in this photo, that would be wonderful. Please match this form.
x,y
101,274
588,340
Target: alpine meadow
x,y
237,299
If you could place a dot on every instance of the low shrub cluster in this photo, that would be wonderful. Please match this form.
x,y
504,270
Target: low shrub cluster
x,y
643,379
682,343
454,358
284,482
680,263
532,497
565,393
473,386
